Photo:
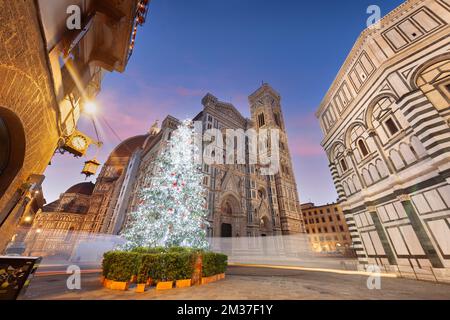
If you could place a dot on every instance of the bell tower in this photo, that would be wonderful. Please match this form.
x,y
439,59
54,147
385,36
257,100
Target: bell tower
x,y
266,113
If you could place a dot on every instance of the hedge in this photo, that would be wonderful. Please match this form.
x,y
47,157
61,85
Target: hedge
x,y
160,264
214,263
120,266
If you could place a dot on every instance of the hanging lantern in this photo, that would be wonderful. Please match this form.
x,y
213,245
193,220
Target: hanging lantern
x,y
90,167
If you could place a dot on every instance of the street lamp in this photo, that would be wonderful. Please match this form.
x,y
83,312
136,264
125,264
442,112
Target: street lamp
x,y
90,107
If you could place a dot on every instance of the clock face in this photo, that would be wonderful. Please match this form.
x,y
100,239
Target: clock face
x,y
79,142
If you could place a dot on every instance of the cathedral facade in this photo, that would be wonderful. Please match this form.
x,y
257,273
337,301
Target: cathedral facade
x,y
386,124
240,200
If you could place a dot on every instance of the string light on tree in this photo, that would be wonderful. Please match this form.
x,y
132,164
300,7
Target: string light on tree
x,y
172,208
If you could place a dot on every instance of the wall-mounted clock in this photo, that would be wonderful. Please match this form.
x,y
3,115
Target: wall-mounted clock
x,y
77,144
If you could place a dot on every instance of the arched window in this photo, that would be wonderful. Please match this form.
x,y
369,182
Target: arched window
x,y
261,120
383,118
358,142
363,148
344,165
391,126
277,119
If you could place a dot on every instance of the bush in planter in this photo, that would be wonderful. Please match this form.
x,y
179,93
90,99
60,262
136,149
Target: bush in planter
x,y
221,262
121,266
208,265
213,264
184,265
108,258
147,267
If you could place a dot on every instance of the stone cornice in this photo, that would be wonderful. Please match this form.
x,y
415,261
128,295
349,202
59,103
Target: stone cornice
x,y
360,44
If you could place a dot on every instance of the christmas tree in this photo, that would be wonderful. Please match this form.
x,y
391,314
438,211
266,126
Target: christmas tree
x,y
172,211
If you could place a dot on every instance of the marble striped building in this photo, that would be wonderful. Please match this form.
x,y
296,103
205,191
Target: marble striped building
x,y
387,136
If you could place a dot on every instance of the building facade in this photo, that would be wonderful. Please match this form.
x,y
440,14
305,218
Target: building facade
x,y
241,201
58,225
48,72
387,137
326,228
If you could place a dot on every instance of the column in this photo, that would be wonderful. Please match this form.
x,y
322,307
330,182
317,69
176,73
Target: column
x,y
383,237
376,138
420,231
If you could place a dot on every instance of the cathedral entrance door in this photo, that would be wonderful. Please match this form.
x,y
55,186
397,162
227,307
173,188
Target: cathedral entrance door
x,y
226,230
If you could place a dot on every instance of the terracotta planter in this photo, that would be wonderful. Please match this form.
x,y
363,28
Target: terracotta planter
x,y
206,280
222,276
166,285
107,283
118,285
140,288
184,283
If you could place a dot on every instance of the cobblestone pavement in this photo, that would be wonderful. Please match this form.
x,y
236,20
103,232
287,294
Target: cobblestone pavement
x,y
244,283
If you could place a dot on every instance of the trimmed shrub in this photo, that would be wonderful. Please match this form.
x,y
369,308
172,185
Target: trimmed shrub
x,y
121,266
147,267
214,263
221,262
160,264
184,264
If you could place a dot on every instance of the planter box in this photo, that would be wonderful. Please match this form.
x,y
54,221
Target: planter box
x,y
167,285
206,280
140,288
107,283
121,286
221,276
184,283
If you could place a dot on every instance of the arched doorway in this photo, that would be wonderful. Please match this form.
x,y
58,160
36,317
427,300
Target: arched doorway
x,y
265,226
12,148
229,209
226,230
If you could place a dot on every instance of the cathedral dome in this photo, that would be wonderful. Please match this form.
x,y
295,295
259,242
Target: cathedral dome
x,y
126,148
85,188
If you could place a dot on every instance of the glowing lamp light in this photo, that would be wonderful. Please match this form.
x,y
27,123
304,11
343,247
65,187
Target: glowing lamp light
x,y
28,219
90,108
39,231
90,167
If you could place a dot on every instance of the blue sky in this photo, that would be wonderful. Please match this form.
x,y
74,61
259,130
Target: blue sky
x,y
227,48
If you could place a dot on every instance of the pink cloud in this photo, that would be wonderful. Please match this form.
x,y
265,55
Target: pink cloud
x,y
303,146
186,92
